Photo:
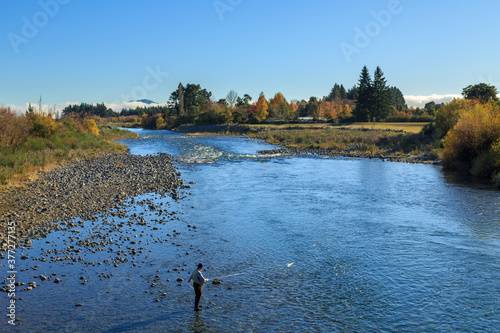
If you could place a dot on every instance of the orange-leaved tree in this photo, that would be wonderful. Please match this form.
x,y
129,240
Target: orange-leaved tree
x,y
14,129
335,110
293,107
261,107
279,107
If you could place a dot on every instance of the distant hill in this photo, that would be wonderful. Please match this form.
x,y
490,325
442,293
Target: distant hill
x,y
145,101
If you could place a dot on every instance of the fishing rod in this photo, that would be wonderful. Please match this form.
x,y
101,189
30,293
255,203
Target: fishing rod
x,y
236,274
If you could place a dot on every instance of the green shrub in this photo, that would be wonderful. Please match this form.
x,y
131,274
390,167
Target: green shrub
x,y
487,163
496,179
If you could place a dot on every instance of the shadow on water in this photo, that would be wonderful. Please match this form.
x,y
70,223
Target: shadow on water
x,y
132,327
194,322
467,180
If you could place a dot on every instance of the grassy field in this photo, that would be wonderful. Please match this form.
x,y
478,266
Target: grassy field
x,y
405,127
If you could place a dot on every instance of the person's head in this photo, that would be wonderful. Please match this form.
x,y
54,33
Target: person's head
x,y
200,266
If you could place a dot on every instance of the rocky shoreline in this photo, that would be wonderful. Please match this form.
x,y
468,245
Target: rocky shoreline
x,y
84,189
354,153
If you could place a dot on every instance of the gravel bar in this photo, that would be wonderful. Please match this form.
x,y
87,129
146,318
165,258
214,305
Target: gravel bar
x,y
84,189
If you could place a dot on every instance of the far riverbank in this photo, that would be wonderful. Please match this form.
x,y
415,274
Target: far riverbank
x,y
388,144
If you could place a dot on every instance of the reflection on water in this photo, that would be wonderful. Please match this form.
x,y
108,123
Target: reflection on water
x,y
303,244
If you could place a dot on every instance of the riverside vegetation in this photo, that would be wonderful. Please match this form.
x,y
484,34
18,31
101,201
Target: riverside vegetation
x,y
465,136
36,141
96,173
464,133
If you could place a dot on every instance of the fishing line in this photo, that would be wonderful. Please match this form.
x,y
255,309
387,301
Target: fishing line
x,y
213,304
225,276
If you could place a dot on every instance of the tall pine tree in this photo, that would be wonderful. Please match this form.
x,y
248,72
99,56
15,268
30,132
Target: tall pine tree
x,y
397,99
380,106
364,100
337,92
352,93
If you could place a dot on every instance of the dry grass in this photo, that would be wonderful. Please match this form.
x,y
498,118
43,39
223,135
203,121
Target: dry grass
x,y
391,141
405,127
23,162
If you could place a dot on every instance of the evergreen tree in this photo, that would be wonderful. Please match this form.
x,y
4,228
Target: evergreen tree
x,y
313,107
194,99
343,92
397,99
180,91
364,98
86,110
337,92
380,106
352,93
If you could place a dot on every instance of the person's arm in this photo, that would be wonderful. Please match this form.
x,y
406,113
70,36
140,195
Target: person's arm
x,y
190,278
201,278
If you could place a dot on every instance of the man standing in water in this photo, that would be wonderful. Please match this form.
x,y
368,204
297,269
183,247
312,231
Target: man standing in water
x,y
198,283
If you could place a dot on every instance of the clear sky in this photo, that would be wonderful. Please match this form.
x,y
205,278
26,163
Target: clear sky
x,y
114,51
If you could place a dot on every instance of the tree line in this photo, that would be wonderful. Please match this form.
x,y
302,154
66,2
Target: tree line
x,y
370,100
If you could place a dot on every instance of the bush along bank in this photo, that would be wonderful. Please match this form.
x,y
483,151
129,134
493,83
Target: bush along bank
x,y
36,141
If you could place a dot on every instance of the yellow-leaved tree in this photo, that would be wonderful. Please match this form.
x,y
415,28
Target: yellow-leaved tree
x,y
474,142
90,126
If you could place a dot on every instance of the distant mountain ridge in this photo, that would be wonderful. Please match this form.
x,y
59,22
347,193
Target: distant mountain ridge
x,y
145,101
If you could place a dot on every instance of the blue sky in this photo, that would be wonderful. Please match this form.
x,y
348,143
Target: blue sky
x,y
72,51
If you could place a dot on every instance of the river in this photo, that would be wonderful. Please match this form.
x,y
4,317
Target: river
x,y
301,244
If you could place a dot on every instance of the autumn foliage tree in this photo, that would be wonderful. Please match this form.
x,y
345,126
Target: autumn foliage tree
x,y
279,107
43,123
261,108
473,143
14,129
214,113
449,114
293,109
90,126
335,110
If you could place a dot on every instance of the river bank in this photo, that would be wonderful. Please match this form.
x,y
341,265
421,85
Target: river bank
x,y
83,189
326,140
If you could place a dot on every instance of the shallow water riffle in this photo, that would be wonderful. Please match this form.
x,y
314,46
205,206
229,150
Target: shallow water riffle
x,y
300,244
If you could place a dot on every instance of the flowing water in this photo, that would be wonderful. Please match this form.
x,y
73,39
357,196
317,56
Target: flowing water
x,y
301,244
